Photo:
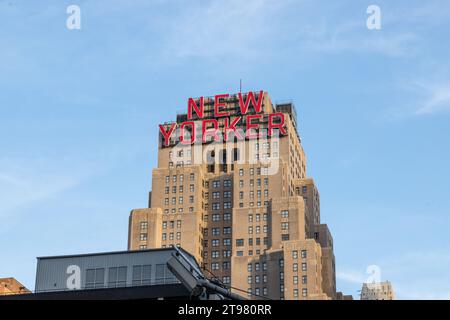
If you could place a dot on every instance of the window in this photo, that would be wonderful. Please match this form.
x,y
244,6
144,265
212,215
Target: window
x,y
250,218
214,254
191,199
117,277
304,266
241,172
227,183
249,267
294,254
304,292
226,279
216,217
239,242
227,205
304,189
281,263
227,242
285,214
295,267
284,237
216,195
257,266
142,275
192,176
143,237
295,280
226,265
214,266
226,253
303,254
241,183
174,178
215,231
164,236
166,201
285,226
167,179
239,253
144,225
215,242
304,279
295,293
95,278
191,188
216,206
227,194
142,247
249,279
216,184
180,200
174,189
227,216
163,274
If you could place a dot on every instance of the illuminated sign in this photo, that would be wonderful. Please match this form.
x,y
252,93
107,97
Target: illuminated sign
x,y
249,115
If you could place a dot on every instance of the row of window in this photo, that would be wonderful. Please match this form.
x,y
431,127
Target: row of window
x,y
259,171
179,178
252,194
171,224
240,242
180,200
216,254
180,210
180,189
226,265
218,217
252,182
257,217
252,204
303,254
216,242
117,276
171,236
216,231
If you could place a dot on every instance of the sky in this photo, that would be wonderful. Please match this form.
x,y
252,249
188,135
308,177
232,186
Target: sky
x,y
80,108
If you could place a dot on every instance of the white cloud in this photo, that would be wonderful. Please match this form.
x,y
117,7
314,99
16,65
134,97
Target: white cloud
x,y
437,100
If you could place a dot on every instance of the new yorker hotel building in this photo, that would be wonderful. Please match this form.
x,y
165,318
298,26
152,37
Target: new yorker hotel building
x,y
231,188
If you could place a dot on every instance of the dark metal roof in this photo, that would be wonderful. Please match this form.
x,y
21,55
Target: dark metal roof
x,y
112,252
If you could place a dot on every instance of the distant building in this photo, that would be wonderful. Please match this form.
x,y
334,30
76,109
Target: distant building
x,y
341,296
10,286
377,291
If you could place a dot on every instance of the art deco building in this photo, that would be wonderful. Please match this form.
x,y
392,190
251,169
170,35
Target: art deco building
x,y
245,209
377,291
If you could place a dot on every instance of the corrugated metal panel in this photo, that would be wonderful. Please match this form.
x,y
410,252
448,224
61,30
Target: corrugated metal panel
x,y
52,273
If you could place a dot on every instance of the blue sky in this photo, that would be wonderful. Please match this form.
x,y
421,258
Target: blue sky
x,y
79,111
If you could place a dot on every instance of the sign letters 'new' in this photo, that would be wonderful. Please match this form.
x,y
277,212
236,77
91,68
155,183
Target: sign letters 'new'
x,y
210,125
